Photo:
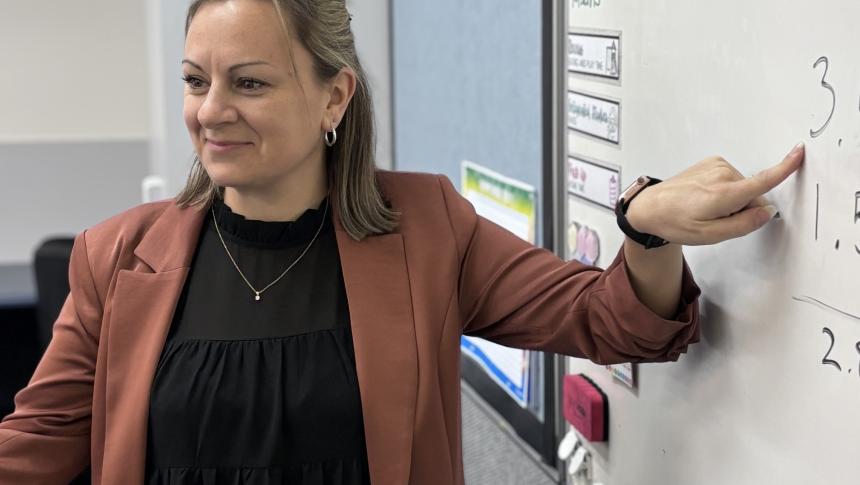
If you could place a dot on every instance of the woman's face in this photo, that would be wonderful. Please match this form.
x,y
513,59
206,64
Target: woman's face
x,y
241,87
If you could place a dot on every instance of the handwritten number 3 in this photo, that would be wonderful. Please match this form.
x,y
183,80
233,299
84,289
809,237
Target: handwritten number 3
x,y
827,86
857,346
825,360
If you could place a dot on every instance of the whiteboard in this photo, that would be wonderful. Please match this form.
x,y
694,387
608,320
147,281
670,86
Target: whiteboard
x,y
759,400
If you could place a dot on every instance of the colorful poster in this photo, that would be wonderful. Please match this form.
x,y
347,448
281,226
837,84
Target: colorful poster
x,y
503,200
512,205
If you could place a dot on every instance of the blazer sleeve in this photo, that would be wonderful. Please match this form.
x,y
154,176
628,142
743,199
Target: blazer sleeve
x,y
46,440
519,295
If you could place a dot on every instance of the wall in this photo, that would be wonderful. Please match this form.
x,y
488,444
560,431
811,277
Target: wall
x,y
371,27
75,115
467,87
172,151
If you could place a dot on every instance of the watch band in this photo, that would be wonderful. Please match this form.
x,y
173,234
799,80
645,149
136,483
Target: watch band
x,y
650,241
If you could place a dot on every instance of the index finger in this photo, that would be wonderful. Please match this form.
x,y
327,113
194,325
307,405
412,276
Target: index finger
x,y
763,182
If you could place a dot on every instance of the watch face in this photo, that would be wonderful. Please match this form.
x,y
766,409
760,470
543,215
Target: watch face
x,y
635,188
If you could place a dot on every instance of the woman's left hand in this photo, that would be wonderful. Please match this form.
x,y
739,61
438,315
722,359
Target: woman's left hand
x,y
710,202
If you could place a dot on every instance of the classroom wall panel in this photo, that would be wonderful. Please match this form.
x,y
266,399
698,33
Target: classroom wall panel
x,y
59,189
468,86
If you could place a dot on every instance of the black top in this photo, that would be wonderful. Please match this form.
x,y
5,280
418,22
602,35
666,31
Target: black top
x,y
259,392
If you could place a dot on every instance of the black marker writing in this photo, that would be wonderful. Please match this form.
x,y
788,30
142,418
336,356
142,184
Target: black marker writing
x,y
820,304
827,86
857,346
817,197
825,360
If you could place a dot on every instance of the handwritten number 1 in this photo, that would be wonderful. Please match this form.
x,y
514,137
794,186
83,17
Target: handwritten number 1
x,y
825,360
827,86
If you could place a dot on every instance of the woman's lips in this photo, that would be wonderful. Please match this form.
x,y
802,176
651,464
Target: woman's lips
x,y
224,146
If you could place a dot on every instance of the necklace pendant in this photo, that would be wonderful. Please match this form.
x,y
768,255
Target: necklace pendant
x,y
257,297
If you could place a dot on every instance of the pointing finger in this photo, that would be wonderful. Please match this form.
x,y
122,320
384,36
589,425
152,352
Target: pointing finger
x,y
746,190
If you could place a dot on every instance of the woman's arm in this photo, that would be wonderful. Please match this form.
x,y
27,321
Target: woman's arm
x,y
515,294
707,203
47,439
655,275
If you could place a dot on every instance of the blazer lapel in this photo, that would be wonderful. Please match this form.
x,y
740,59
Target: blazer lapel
x,y
142,310
383,329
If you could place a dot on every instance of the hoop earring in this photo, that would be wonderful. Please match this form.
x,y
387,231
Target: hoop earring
x,y
333,140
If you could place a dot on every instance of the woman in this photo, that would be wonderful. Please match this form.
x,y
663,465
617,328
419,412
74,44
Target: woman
x,y
294,315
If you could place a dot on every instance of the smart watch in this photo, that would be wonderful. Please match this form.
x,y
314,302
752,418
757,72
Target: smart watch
x,y
650,241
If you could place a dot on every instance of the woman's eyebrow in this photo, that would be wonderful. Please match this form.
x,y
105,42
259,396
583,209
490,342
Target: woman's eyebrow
x,y
232,68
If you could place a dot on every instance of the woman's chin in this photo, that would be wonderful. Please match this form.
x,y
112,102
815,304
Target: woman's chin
x,y
226,174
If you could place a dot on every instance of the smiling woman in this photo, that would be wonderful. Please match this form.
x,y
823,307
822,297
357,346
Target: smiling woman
x,y
280,321
269,84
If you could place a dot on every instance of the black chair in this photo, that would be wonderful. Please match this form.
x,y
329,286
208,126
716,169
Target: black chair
x,y
51,266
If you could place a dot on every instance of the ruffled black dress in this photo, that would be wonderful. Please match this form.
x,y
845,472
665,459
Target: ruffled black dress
x,y
259,392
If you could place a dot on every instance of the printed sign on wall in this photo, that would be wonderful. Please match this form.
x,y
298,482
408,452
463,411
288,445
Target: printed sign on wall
x,y
594,54
594,181
595,116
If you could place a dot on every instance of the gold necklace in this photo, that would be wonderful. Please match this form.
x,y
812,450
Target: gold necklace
x,y
257,292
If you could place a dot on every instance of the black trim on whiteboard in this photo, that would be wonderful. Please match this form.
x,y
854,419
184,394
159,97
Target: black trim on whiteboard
x,y
555,81
551,15
613,35
601,98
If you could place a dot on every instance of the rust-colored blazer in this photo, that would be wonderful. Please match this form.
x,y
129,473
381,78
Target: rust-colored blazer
x,y
412,293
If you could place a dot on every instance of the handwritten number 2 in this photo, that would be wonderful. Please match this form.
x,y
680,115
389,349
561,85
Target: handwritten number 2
x,y
825,360
826,85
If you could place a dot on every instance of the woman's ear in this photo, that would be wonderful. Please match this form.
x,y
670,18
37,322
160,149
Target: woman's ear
x,y
341,89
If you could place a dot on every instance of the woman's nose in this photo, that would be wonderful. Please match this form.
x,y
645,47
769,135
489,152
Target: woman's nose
x,y
217,108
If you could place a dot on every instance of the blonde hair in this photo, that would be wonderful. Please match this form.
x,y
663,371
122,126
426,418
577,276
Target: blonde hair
x,y
323,28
